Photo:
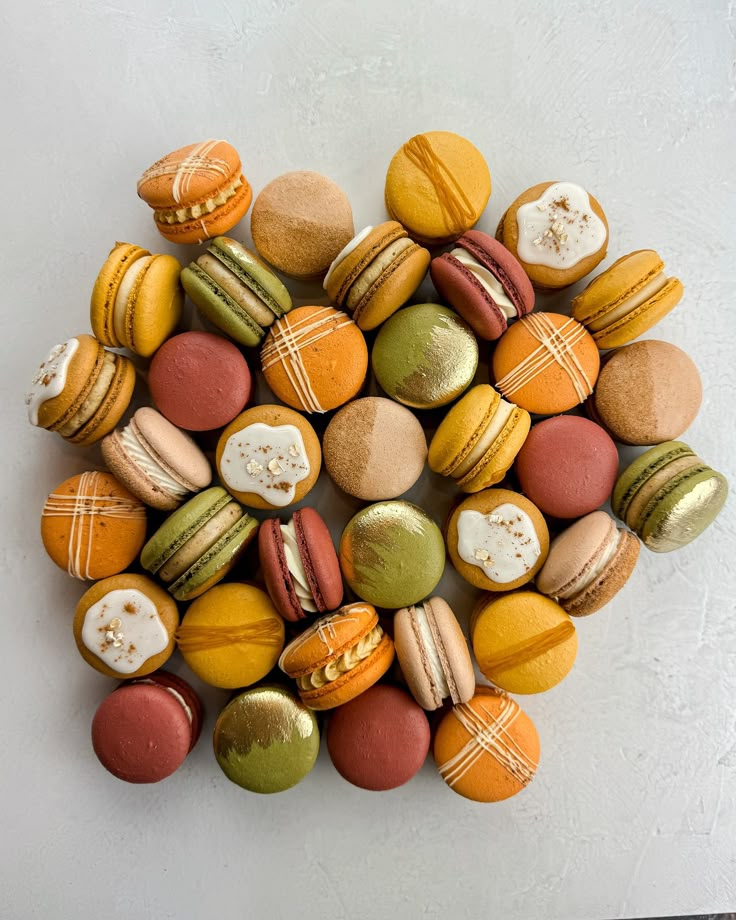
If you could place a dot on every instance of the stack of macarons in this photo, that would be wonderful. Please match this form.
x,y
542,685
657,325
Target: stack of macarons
x,y
305,606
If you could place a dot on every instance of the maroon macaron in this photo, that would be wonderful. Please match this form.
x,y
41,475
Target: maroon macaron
x,y
300,565
567,466
199,381
143,731
380,739
484,282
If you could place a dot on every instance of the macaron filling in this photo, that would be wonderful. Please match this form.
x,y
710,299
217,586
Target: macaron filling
x,y
495,426
125,289
433,661
617,312
296,568
344,253
371,276
94,398
487,281
590,575
199,542
195,211
139,453
344,663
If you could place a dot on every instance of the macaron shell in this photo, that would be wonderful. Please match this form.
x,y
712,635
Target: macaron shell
x,y
379,740
327,639
342,277
643,318
105,290
189,175
393,288
319,558
609,582
279,583
524,642
253,272
154,306
82,371
219,307
353,682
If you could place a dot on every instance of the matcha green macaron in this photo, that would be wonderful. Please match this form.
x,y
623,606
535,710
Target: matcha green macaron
x,y
425,356
668,496
199,544
392,554
236,291
266,740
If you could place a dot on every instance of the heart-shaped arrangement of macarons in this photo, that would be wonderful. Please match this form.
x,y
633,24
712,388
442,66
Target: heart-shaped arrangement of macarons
x,y
198,473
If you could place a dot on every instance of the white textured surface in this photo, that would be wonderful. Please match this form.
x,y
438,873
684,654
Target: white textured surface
x,y
634,808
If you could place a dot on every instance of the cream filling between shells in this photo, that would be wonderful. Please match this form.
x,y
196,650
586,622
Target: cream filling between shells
x,y
589,577
179,215
155,472
346,662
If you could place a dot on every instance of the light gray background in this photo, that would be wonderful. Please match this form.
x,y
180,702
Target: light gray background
x,y
633,810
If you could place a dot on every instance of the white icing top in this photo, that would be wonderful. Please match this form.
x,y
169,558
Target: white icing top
x,y
121,298
503,543
124,630
344,252
487,279
296,568
560,228
50,378
435,664
266,460
142,459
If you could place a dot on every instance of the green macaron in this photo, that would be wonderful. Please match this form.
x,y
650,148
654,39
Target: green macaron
x,y
266,740
235,290
198,544
392,554
668,496
425,356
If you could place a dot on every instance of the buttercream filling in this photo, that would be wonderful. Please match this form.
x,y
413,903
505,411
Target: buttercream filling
x,y
494,428
127,283
240,292
153,470
94,398
179,215
487,280
344,663
652,287
296,568
437,674
374,270
344,253
201,540
594,572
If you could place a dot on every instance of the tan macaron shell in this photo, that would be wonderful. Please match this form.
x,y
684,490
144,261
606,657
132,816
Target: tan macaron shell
x,y
484,503
544,277
449,647
476,444
165,607
627,299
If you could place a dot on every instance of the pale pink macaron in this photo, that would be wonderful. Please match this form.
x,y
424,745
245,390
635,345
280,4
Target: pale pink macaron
x,y
156,461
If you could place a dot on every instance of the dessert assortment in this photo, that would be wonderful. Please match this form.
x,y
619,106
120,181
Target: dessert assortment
x,y
190,537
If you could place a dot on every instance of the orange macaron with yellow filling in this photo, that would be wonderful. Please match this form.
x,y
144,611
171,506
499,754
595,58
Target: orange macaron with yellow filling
x,y
338,657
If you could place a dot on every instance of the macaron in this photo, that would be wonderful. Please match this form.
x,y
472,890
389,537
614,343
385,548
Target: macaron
x,y
485,284
315,359
558,232
265,740
668,496
199,381
588,564
433,654
546,363
143,731
497,539
300,565
300,222
338,656
92,526
124,626
425,356
374,448
156,461
379,740
627,299
376,273
488,748
523,642
231,636
269,457
81,390
647,392
392,554
478,439
196,192
136,300
235,290
567,466
437,186
199,543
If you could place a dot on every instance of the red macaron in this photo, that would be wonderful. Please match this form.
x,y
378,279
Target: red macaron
x,y
484,282
380,739
199,381
567,466
300,565
143,731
